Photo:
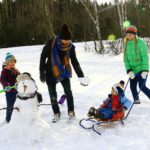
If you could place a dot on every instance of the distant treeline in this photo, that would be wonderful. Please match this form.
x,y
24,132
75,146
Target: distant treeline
x,y
28,22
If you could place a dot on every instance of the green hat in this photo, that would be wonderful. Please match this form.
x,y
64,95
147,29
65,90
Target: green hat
x,y
9,58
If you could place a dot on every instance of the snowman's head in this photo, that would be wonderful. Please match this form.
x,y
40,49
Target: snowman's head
x,y
26,86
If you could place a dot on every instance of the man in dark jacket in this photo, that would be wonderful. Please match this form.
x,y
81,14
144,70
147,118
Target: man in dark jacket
x,y
55,67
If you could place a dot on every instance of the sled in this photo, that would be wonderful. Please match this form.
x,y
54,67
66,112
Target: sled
x,y
98,123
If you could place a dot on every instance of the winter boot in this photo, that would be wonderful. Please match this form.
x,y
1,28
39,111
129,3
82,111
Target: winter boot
x,y
137,101
56,117
71,114
97,114
94,113
91,112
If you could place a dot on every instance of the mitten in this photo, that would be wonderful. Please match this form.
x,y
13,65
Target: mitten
x,y
131,75
124,108
7,88
84,81
62,99
39,97
144,74
109,95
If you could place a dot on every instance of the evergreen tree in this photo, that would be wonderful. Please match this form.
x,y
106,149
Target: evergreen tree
x,y
27,22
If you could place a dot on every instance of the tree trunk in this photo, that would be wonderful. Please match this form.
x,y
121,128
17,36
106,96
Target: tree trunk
x,y
49,18
120,16
96,23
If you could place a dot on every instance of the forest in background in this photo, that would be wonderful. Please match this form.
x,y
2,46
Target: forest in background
x,y
29,22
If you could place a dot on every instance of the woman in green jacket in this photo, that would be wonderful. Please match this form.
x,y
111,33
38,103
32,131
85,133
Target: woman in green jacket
x,y
136,62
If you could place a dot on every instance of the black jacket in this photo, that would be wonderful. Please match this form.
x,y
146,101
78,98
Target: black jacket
x,y
46,65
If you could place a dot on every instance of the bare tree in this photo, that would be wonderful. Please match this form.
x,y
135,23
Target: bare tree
x,y
101,47
97,26
120,14
49,16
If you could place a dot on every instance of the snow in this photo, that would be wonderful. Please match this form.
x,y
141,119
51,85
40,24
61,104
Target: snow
x,y
40,134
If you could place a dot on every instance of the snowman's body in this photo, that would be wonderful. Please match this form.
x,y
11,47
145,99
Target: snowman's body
x,y
26,102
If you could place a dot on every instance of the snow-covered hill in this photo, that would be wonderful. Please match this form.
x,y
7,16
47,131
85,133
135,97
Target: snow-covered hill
x,y
104,71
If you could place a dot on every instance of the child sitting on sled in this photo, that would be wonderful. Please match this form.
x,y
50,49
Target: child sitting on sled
x,y
113,108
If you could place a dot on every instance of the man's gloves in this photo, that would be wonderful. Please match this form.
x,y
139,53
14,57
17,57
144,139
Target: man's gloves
x,y
84,81
131,75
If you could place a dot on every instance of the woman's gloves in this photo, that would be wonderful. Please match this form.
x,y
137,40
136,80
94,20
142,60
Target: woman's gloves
x,y
144,74
84,81
131,75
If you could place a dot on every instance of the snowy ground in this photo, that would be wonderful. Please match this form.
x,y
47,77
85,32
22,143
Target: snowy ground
x,y
104,71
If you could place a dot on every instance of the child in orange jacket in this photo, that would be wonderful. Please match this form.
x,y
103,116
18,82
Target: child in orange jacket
x,y
111,109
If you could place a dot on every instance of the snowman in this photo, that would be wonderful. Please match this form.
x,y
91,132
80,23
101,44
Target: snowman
x,y
26,122
28,98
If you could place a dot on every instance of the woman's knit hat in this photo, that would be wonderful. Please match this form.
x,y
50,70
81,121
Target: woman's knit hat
x,y
132,30
9,58
65,33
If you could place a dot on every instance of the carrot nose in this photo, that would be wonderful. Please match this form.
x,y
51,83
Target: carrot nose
x,y
25,87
